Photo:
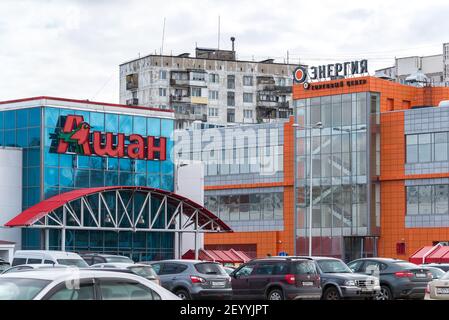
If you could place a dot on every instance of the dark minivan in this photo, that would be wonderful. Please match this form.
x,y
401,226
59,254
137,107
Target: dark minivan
x,y
277,278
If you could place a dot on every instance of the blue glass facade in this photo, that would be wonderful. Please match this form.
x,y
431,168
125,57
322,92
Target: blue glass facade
x,y
47,173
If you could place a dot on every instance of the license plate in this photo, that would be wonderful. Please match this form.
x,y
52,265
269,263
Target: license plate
x,y
307,283
218,284
421,275
442,290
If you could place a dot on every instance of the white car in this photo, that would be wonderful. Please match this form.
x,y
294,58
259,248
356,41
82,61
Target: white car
x,y
143,270
48,257
29,267
79,284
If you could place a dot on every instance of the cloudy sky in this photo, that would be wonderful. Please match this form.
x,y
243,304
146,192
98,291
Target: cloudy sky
x,y
72,48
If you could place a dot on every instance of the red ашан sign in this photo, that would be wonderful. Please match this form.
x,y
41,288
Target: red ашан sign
x,y
76,132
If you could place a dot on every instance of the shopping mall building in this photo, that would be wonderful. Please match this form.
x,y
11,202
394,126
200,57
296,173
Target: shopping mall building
x,y
380,178
86,176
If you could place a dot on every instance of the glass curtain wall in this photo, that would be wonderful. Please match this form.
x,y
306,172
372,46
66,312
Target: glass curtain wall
x,y
340,155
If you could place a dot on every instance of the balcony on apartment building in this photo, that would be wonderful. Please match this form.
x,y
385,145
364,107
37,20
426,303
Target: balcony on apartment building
x,y
132,102
187,78
190,112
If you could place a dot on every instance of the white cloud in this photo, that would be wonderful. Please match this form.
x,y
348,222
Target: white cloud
x,y
73,48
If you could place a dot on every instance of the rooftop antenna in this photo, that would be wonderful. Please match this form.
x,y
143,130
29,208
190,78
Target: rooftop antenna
x,y
218,44
163,38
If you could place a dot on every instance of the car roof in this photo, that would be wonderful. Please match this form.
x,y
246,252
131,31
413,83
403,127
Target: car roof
x,y
50,253
104,255
184,261
121,264
62,273
381,259
314,258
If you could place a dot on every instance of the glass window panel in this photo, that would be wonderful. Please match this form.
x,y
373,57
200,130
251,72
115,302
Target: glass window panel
x,y
22,118
167,127
10,138
441,193
112,164
278,200
140,126
34,117
50,158
34,137
441,137
153,127
361,109
424,152
125,164
83,162
51,117
346,113
154,181
126,179
255,206
315,114
125,124
336,143
412,154
154,166
66,177
441,152
111,123
96,178
97,121
111,179
66,160
412,200
424,138
267,206
82,178
22,138
167,182
412,139
425,199
34,176
51,176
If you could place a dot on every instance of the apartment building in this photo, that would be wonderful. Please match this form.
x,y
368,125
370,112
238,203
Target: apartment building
x,y
432,69
212,87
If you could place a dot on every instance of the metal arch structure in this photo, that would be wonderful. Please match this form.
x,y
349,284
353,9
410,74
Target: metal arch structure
x,y
115,209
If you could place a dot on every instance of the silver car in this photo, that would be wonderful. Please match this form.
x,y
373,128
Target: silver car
x,y
438,289
194,279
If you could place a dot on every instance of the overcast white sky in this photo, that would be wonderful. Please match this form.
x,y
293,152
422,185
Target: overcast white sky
x,y
72,48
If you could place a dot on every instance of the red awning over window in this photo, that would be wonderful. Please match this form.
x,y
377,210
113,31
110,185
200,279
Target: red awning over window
x,y
222,256
431,254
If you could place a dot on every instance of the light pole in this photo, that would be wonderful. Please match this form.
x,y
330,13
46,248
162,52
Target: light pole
x,y
317,125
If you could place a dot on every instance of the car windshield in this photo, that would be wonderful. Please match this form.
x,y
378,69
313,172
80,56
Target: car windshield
x,y
437,273
20,289
445,276
119,259
209,268
80,263
144,271
333,266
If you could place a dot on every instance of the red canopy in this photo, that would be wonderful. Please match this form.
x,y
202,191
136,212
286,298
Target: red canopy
x,y
431,254
222,256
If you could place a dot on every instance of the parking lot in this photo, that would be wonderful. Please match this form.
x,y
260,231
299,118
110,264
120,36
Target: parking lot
x,y
55,275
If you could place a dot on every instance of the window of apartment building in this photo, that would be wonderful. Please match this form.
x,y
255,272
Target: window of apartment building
x,y
198,109
162,92
281,81
231,81
198,76
231,115
231,99
132,81
247,97
213,112
196,92
248,114
213,95
427,199
213,78
162,74
427,147
247,81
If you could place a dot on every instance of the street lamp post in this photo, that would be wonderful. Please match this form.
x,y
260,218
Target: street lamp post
x,y
317,125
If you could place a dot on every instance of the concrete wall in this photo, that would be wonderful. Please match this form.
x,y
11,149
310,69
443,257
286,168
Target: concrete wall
x,y
10,192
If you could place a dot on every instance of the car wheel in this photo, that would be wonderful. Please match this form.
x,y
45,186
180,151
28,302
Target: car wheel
x,y
331,294
183,294
275,294
384,294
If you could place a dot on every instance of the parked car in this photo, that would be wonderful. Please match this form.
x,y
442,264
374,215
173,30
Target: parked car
x,y
442,266
438,289
399,279
229,270
142,270
58,284
339,282
29,267
277,278
437,273
3,265
95,258
193,279
47,257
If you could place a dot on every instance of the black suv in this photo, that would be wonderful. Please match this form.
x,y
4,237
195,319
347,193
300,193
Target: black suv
x,y
398,278
95,258
276,278
340,282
